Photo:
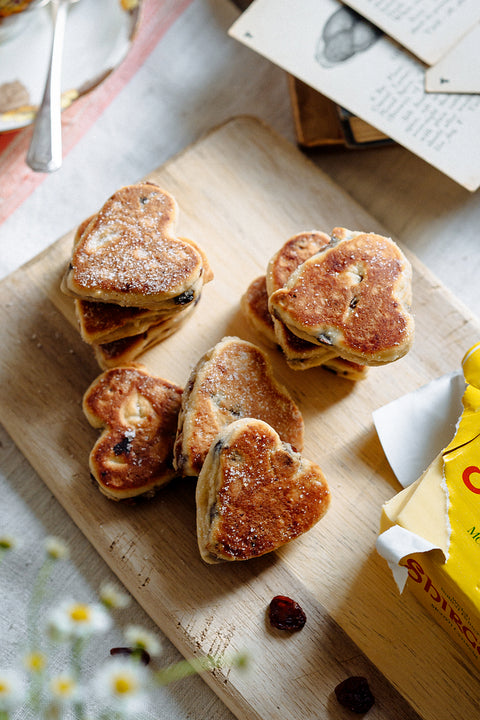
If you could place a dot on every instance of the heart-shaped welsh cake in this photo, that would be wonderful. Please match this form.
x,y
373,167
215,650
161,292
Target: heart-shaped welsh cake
x,y
254,305
254,493
126,350
353,297
128,253
293,253
100,322
233,380
299,353
138,414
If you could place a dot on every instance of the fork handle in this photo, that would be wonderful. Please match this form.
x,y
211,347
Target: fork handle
x,y
45,151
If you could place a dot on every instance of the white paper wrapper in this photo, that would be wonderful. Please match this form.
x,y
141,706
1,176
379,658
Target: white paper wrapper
x,y
417,426
413,430
394,544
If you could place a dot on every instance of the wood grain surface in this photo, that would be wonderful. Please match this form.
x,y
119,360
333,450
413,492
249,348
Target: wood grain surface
x,y
242,192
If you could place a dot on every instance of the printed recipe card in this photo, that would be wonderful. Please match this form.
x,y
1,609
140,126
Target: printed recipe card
x,y
429,28
346,58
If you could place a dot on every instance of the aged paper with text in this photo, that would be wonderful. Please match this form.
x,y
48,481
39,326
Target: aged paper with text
x,y
428,28
459,70
325,45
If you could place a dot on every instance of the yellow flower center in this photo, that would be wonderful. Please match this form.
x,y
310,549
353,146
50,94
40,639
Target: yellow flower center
x,y
80,613
4,687
63,686
35,662
123,684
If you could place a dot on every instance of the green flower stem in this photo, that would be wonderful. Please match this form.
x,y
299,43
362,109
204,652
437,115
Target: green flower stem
x,y
3,715
53,712
76,656
78,711
33,629
186,668
181,670
36,597
77,647
35,691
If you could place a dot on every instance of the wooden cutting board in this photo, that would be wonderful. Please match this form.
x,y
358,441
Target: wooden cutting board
x,y
242,192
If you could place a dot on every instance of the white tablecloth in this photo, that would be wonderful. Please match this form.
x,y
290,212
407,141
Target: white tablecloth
x,y
195,78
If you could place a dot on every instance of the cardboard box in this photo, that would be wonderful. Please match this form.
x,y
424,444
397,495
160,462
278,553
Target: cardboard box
x,y
431,529
319,122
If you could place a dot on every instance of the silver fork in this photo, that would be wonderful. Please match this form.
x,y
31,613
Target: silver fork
x,y
45,151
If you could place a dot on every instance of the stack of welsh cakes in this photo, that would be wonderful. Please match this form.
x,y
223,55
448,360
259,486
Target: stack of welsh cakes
x,y
133,280
341,301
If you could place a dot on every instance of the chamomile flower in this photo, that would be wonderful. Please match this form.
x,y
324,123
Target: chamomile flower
x,y
35,662
7,542
120,686
112,597
56,549
64,689
141,639
12,689
73,619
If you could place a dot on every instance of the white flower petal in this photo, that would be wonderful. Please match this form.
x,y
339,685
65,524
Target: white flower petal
x,y
64,688
120,685
112,597
56,548
72,619
139,637
12,689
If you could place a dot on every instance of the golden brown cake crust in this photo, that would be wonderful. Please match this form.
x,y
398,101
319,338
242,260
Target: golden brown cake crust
x,y
138,414
291,255
299,353
354,297
255,493
127,349
254,305
104,322
128,253
234,379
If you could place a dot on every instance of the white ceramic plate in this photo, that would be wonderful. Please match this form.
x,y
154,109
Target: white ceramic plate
x,y
98,35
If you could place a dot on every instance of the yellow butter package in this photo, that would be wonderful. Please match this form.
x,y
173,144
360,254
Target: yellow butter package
x,y
430,531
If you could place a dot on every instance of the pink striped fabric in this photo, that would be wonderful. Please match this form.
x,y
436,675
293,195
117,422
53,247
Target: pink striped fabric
x,y
17,180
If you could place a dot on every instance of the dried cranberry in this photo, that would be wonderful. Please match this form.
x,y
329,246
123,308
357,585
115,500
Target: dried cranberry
x,y
286,614
354,693
185,298
122,447
143,655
